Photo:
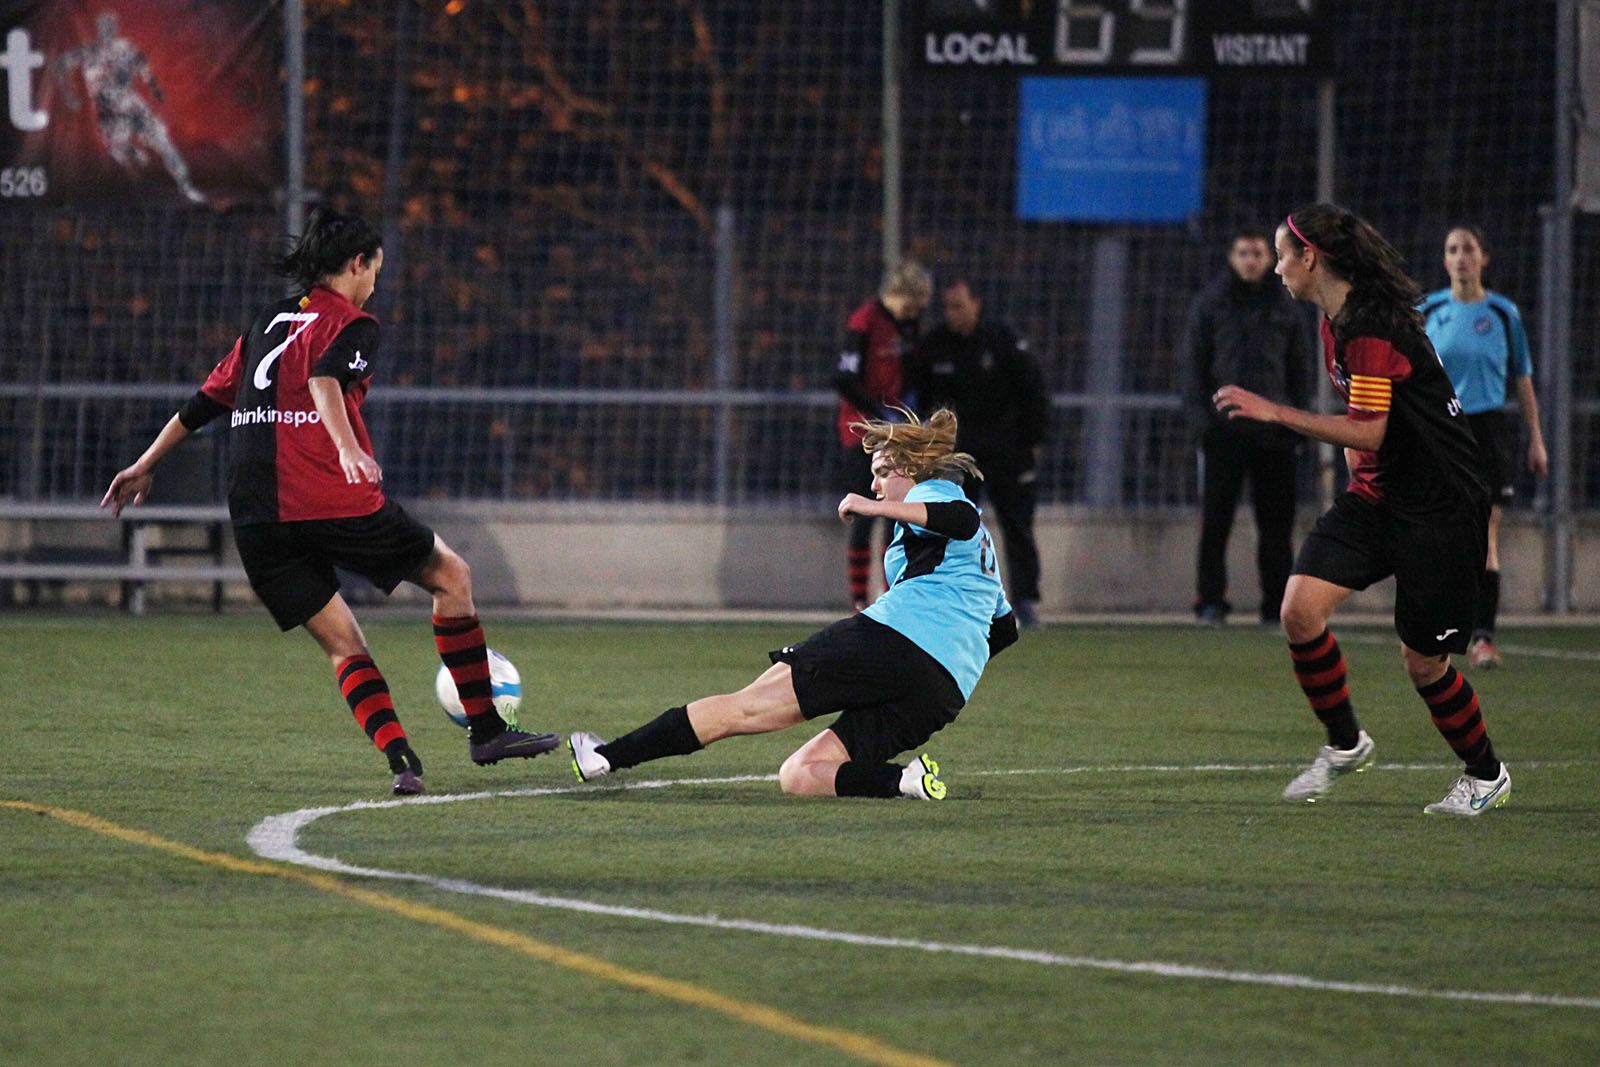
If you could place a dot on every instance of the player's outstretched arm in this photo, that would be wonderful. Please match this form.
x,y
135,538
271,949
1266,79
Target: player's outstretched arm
x,y
855,504
328,395
1365,435
133,482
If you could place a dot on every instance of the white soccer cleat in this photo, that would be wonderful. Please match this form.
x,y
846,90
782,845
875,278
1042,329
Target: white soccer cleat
x,y
1473,796
1483,655
587,763
921,780
1315,781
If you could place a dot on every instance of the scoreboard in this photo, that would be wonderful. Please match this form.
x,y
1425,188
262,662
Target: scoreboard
x,y
1150,37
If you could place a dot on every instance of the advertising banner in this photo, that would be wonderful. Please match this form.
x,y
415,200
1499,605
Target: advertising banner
x,y
118,101
1111,149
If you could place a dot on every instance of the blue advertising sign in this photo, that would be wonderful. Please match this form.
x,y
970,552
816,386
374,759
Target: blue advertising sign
x,y
1110,149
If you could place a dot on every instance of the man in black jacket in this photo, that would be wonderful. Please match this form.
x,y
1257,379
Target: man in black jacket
x,y
982,371
1246,329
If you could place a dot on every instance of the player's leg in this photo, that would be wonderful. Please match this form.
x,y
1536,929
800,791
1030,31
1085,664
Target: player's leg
x,y
765,705
812,769
1483,653
464,650
1221,481
1344,553
297,584
155,135
1272,476
1434,605
365,690
1015,504
853,757
1497,464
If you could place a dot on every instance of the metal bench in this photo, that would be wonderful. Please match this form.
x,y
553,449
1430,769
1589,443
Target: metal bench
x,y
140,562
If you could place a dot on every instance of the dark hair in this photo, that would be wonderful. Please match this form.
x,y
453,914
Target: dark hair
x,y
331,239
950,281
1250,233
1472,228
1382,295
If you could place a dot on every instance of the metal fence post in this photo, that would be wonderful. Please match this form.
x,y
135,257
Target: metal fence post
x,y
722,342
294,116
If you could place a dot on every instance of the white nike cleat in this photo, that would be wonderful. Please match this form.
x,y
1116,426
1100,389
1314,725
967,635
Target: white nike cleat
x,y
587,763
1473,796
1315,781
921,780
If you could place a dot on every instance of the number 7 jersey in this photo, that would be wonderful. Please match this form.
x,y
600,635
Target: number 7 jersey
x,y
283,464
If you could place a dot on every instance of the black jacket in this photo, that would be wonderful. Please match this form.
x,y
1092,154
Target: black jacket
x,y
1250,334
992,384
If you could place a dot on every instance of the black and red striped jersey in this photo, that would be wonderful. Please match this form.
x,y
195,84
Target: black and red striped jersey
x,y
874,345
1427,463
284,466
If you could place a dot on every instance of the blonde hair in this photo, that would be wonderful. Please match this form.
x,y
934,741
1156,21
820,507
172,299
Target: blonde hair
x,y
919,450
910,279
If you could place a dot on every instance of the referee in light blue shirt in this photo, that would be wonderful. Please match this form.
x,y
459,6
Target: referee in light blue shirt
x,y
1484,348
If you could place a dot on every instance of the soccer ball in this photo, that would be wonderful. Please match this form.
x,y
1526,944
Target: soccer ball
x,y
505,684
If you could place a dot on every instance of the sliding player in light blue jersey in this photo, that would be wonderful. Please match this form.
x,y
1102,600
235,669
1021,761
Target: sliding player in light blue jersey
x,y
1480,340
898,671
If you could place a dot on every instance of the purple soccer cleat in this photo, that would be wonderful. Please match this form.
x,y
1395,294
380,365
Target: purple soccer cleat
x,y
408,783
511,744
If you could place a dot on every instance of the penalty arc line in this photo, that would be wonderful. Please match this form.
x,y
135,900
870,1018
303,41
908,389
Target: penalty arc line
x,y
276,837
860,1046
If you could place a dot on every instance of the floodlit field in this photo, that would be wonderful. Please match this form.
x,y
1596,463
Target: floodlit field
x,y
1113,879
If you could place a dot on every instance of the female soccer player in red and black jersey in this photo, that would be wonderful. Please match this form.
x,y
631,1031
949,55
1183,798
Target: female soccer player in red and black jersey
x,y
870,381
1415,507
306,495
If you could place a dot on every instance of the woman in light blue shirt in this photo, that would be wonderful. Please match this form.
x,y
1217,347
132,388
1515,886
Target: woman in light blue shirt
x,y
1480,340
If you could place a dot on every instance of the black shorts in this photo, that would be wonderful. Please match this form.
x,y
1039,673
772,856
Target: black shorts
x,y
290,564
1436,566
1497,452
894,696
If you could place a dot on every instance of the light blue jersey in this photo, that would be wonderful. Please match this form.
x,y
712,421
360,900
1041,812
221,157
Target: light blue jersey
x,y
1481,344
943,593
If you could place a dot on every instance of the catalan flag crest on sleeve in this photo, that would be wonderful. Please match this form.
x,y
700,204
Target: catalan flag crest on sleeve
x,y
1371,394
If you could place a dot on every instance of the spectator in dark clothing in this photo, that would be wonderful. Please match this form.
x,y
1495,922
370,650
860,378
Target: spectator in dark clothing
x,y
1245,328
981,370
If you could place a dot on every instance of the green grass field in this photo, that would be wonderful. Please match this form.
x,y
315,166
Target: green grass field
x,y
1077,843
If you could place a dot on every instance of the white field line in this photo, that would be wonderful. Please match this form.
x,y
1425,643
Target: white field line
x,y
275,838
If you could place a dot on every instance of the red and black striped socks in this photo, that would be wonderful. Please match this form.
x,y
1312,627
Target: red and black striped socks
x,y
465,654
1454,708
368,696
1320,669
858,562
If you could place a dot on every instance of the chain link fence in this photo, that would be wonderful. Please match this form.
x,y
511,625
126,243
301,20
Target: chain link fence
x,y
621,241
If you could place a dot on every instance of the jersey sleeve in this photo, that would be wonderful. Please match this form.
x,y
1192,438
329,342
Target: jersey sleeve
x,y
1375,367
848,376
349,357
222,384
1521,358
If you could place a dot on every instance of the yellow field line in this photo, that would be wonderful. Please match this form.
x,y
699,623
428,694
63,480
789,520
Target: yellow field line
x,y
860,1046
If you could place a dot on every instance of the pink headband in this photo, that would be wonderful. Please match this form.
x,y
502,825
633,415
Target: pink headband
x,y
1288,220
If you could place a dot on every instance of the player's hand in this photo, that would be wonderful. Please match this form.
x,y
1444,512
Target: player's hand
x,y
128,487
1238,403
359,467
852,505
1538,458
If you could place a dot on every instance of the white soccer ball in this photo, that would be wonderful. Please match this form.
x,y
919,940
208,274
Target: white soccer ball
x,y
504,682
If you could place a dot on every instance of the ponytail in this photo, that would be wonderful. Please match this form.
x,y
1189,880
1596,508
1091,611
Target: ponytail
x,y
331,239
